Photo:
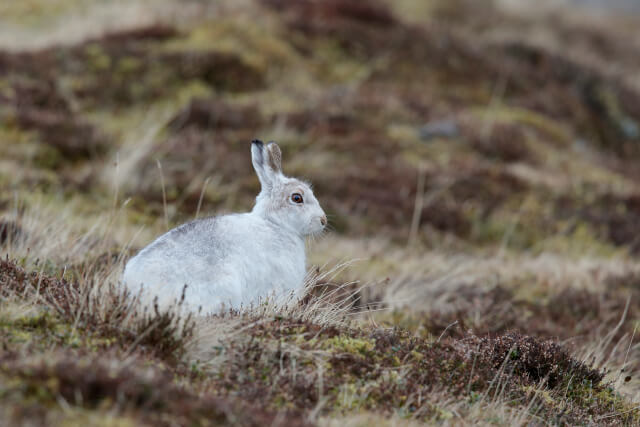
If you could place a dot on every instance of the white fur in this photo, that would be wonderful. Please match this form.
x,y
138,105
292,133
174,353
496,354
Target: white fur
x,y
233,260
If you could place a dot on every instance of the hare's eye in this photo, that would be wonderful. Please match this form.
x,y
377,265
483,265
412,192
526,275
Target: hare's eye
x,y
296,198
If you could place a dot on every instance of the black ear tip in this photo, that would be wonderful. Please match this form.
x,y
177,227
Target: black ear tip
x,y
257,142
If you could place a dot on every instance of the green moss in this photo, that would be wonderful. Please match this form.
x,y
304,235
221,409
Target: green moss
x,y
121,122
128,64
97,58
581,238
250,40
442,414
37,13
42,329
505,227
345,344
79,417
625,124
405,320
47,157
333,64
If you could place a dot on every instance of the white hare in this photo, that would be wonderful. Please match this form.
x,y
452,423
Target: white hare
x,y
236,259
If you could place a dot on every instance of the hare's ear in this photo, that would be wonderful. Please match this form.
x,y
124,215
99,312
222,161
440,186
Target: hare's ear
x,y
275,157
267,162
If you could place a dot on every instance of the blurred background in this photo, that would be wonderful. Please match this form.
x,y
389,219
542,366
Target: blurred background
x,y
480,159
479,162
518,123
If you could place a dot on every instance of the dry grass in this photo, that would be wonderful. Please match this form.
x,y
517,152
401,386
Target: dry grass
x,y
296,343
68,22
497,277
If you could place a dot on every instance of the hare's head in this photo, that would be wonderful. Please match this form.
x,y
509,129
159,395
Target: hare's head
x,y
287,201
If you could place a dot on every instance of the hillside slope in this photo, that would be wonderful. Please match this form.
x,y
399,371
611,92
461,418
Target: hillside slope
x,y
479,163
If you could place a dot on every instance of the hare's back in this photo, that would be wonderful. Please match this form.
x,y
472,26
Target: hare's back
x,y
183,252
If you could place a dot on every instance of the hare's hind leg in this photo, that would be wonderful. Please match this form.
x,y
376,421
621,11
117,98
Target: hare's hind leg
x,y
210,296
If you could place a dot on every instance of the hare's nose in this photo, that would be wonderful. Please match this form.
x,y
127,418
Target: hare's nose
x,y
323,220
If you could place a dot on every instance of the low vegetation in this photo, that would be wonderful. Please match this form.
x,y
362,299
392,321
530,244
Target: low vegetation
x,y
485,181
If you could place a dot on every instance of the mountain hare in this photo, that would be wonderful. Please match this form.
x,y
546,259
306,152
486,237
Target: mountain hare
x,y
236,259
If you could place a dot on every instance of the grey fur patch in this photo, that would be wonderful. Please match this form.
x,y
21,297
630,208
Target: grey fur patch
x,y
275,157
186,227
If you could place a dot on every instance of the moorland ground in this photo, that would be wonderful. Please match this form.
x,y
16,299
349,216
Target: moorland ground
x,y
478,165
